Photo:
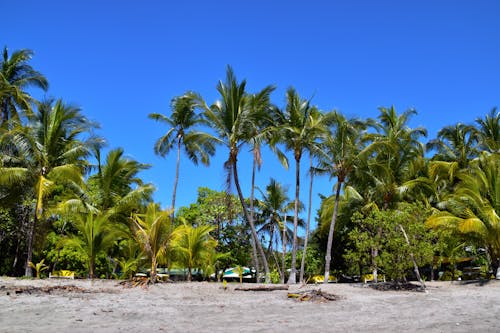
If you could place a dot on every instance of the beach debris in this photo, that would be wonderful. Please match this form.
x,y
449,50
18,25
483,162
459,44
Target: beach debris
x,y
263,288
395,285
136,281
315,295
44,290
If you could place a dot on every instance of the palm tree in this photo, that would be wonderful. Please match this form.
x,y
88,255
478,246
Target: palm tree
x,y
153,233
116,187
473,208
16,75
456,143
489,131
198,146
338,158
95,236
193,246
299,130
393,155
274,205
47,152
234,124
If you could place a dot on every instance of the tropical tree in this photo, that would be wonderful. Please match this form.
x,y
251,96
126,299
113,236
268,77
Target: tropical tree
x,y
17,75
273,208
234,124
95,235
299,130
153,233
473,208
489,131
116,187
48,151
455,143
193,246
338,158
198,145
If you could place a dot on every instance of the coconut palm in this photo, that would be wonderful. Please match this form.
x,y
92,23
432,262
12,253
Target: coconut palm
x,y
473,208
17,75
455,143
198,145
153,234
116,187
489,131
300,128
234,123
337,158
48,151
193,246
273,208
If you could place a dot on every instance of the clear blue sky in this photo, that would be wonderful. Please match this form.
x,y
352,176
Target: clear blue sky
x,y
121,60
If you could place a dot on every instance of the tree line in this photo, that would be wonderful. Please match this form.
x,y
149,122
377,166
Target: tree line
x,y
398,203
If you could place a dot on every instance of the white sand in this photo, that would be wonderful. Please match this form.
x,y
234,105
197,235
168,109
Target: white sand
x,y
206,307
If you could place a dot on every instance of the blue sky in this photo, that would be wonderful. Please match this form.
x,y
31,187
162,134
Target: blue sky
x,y
121,60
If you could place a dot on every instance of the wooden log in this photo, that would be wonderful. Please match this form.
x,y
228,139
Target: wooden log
x,y
263,288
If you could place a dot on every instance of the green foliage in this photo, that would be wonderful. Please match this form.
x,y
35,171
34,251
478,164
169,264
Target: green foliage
x,y
381,230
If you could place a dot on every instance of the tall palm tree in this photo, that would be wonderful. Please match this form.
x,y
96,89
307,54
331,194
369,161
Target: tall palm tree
x,y
48,151
16,75
338,158
455,143
473,208
198,145
234,124
489,131
298,132
153,234
193,246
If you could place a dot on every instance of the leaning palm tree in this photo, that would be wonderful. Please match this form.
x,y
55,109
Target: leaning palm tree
x,y
193,246
17,75
48,151
234,124
198,145
153,234
299,131
338,156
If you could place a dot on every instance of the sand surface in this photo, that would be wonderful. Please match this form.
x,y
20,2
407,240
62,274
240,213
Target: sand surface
x,y
106,306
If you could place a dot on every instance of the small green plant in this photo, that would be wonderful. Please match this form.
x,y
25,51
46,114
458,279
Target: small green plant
x,y
39,267
240,271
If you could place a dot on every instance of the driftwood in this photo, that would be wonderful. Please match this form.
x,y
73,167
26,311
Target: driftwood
x,y
262,288
315,295
42,290
137,281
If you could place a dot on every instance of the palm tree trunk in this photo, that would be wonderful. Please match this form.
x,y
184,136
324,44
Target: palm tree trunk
x,y
31,233
328,257
292,279
252,192
249,219
153,269
283,243
176,181
308,223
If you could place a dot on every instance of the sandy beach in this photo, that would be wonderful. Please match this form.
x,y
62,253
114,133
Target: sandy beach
x,y
106,306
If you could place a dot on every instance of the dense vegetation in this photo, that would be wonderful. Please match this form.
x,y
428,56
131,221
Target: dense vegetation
x,y
399,204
